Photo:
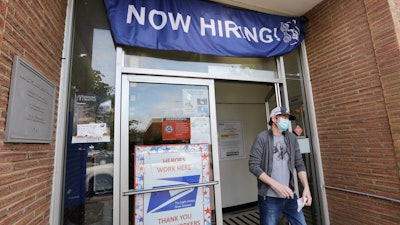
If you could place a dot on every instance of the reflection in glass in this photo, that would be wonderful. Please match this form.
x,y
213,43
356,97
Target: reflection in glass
x,y
89,153
193,62
295,93
169,134
154,105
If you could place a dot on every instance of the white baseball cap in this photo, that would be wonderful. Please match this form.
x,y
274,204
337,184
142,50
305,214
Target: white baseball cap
x,y
281,111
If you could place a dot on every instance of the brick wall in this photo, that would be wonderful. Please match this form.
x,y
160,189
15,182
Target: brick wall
x,y
395,97
33,30
353,54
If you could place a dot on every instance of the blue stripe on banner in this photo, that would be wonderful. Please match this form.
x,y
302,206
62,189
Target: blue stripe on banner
x,y
202,27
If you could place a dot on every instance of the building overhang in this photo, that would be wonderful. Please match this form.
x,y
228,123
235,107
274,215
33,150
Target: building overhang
x,y
276,7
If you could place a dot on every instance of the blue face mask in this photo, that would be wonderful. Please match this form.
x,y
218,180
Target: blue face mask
x,y
283,124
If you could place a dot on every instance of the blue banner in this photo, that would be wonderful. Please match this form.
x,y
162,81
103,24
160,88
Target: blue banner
x,y
202,27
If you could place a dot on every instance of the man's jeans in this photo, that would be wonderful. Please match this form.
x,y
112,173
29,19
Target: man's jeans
x,y
271,208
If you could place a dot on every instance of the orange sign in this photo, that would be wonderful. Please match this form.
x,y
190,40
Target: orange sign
x,y
176,129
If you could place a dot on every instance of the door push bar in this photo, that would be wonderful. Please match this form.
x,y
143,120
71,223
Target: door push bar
x,y
175,187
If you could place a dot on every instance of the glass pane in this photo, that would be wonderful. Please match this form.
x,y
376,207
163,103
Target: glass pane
x,y
169,143
88,181
155,105
193,62
301,129
295,93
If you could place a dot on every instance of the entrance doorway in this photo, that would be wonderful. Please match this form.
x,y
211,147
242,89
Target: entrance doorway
x,y
241,115
242,109
242,112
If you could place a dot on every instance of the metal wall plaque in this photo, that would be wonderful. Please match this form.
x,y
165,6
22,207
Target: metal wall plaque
x,y
31,103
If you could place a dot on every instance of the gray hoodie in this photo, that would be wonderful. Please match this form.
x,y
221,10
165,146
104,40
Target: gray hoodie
x,y
261,155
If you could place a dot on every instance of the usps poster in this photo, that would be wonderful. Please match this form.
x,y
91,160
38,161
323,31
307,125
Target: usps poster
x,y
170,165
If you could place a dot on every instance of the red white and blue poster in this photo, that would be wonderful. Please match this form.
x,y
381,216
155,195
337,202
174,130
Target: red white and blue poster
x,y
170,165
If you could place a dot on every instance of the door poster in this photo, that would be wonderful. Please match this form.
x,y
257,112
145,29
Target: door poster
x,y
175,129
169,165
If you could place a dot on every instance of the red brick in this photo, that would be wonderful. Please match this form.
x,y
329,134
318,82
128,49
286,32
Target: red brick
x,y
33,30
354,60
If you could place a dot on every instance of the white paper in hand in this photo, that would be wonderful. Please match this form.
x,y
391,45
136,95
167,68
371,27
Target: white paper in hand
x,y
300,203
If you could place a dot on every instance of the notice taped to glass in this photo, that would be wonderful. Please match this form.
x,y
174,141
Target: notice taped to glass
x,y
167,166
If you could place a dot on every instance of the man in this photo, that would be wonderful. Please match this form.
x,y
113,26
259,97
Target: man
x,y
274,155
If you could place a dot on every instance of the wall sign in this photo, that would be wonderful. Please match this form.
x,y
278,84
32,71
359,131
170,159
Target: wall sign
x,y
231,140
31,105
202,27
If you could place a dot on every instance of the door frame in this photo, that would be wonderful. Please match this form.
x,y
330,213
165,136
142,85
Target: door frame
x,y
121,185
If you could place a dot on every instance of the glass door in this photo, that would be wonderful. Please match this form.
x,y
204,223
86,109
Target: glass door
x,y
169,165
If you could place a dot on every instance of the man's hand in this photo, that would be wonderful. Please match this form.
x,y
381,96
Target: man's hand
x,y
307,194
283,190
